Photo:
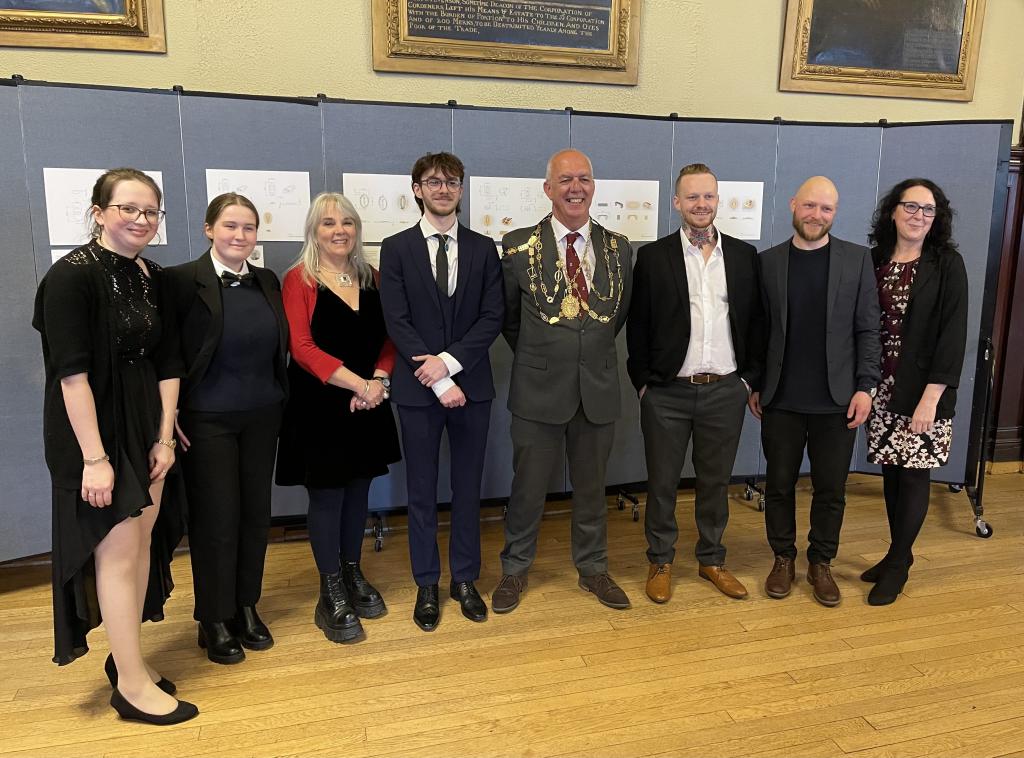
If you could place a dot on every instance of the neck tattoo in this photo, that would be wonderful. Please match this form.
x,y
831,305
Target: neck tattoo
x,y
701,237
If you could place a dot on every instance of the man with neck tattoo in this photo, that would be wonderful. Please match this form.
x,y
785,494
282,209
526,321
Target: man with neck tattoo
x,y
820,372
694,323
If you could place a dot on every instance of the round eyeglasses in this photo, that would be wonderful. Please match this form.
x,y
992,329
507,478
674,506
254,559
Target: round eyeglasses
x,y
134,213
911,208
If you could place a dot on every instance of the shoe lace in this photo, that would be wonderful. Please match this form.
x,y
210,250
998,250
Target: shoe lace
x,y
661,569
336,590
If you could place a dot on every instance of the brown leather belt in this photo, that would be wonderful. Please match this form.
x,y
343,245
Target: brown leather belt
x,y
704,378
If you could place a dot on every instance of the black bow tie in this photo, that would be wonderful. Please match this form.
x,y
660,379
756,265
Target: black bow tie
x,y
231,279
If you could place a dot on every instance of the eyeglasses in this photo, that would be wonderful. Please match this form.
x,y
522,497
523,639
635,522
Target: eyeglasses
x,y
134,213
912,208
435,184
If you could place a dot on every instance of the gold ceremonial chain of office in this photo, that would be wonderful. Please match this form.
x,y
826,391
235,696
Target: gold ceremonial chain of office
x,y
571,302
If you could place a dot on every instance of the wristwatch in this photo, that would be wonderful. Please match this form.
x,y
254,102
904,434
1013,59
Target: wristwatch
x,y
386,384
873,391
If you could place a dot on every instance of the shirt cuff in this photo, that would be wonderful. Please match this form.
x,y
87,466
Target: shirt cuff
x,y
453,365
442,386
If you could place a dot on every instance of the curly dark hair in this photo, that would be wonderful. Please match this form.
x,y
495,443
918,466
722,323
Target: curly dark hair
x,y
940,236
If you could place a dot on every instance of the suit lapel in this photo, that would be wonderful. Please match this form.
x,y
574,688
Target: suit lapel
x,y
420,254
276,305
782,284
466,260
208,286
835,275
677,263
927,268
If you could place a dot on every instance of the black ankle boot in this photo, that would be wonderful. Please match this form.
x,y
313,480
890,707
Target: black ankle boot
x,y
364,596
890,585
872,574
251,630
334,613
220,642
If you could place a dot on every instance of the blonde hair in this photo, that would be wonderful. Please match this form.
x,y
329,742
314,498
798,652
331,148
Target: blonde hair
x,y
309,256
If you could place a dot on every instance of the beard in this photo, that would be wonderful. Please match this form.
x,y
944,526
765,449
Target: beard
x,y
810,233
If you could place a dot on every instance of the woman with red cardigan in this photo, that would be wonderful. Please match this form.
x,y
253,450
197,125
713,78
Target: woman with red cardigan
x,y
338,431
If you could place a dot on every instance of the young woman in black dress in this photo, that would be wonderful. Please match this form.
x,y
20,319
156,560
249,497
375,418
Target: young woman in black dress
x,y
338,432
922,290
112,376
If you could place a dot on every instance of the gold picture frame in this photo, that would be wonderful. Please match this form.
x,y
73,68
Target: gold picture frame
x,y
906,48
490,39
136,25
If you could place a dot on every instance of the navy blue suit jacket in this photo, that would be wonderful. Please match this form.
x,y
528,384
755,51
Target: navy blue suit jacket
x,y
412,312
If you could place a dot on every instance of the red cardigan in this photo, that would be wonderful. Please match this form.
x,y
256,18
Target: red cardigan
x,y
299,302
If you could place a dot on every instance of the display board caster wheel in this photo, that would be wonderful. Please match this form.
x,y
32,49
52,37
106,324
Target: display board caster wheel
x,y
636,511
748,494
378,545
620,503
760,504
378,534
982,528
956,488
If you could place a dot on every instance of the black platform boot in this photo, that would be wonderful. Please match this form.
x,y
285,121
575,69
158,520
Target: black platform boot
x,y
368,602
334,613
220,642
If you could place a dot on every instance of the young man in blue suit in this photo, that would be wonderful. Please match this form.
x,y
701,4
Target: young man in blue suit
x,y
441,290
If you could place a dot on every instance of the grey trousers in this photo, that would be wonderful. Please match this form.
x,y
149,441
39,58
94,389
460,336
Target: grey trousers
x,y
670,415
536,452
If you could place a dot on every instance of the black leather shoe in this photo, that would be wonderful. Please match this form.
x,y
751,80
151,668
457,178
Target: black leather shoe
x,y
427,613
334,613
473,606
111,670
221,645
250,629
872,574
364,596
126,710
889,586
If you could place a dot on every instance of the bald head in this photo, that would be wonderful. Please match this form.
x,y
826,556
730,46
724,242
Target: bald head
x,y
814,208
569,185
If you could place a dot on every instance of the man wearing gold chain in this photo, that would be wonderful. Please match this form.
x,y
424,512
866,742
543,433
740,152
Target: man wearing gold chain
x,y
567,287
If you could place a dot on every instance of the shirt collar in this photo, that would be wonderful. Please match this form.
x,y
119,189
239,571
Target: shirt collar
x,y
688,247
560,230
429,231
219,268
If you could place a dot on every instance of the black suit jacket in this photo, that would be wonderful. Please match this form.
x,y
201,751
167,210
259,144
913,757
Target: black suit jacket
x,y
852,346
200,317
934,333
658,329
412,312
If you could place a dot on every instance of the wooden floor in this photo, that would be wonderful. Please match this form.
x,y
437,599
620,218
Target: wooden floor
x,y
939,673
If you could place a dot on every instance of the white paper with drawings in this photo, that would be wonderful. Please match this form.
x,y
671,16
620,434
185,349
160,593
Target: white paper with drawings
x,y
739,209
281,197
385,203
68,194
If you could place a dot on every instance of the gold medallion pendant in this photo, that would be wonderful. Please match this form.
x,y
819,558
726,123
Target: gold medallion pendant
x,y
570,306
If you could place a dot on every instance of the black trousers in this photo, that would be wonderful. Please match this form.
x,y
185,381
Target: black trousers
x,y
421,444
829,446
536,454
670,416
228,472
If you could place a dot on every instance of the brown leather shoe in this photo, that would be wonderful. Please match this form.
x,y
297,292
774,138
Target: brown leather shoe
x,y
780,581
505,597
607,591
825,590
726,583
659,582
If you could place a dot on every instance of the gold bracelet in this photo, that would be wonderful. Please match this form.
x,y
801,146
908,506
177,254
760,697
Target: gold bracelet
x,y
91,461
168,443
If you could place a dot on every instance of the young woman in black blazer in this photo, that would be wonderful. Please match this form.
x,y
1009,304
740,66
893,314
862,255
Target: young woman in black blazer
x,y
922,290
112,376
234,337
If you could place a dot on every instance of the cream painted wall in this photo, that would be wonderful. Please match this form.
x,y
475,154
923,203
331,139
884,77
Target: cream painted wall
x,y
698,58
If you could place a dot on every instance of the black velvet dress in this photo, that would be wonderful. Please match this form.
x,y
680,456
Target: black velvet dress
x,y
323,444
96,288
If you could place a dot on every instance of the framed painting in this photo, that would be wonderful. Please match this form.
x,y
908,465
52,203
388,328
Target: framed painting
x,y
94,24
576,41
905,48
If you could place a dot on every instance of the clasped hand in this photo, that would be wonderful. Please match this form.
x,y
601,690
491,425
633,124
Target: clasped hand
x,y
432,370
370,398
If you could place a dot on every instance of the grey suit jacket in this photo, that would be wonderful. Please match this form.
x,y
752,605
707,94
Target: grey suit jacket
x,y
852,344
557,367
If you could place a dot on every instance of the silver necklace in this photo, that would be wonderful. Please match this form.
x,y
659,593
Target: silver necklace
x,y
343,279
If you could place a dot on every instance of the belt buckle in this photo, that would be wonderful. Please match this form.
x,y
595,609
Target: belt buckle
x,y
695,379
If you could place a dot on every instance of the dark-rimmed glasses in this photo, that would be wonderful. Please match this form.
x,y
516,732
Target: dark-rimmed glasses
x,y
134,213
434,183
911,208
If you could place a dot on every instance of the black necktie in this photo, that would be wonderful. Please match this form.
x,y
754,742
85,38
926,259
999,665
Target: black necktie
x,y
441,263
231,279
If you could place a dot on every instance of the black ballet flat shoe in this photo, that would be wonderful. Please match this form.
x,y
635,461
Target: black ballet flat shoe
x,y
111,670
250,629
220,644
129,712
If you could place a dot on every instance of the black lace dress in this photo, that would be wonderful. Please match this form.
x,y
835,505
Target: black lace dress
x,y
99,313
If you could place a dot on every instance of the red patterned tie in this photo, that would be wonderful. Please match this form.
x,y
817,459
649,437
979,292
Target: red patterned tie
x,y
572,267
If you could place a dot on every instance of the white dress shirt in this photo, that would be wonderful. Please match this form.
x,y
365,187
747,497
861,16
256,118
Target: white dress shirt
x,y
710,350
219,268
588,261
452,233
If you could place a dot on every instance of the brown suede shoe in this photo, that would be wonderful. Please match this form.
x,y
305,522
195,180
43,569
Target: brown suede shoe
x,y
607,591
825,590
780,581
726,583
659,582
505,596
